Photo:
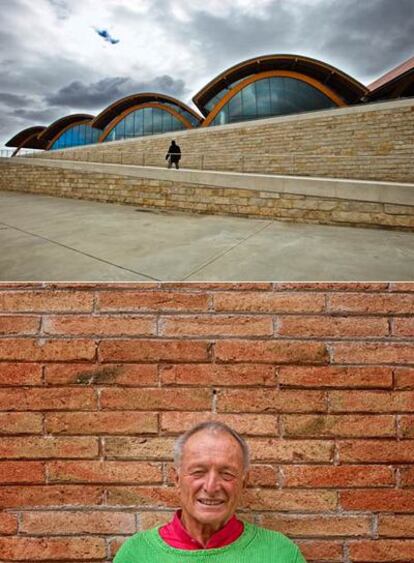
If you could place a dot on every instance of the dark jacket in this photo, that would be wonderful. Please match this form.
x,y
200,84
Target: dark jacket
x,y
174,152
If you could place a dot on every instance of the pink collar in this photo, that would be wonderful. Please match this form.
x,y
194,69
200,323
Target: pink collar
x,y
175,535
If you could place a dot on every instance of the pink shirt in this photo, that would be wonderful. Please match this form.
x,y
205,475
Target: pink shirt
x,y
177,536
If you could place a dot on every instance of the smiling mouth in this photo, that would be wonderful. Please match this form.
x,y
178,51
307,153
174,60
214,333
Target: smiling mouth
x,y
207,502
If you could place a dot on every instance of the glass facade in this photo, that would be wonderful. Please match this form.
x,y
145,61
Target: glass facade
x,y
272,96
145,121
76,136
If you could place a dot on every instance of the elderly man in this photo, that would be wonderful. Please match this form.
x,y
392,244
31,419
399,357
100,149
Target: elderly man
x,y
211,470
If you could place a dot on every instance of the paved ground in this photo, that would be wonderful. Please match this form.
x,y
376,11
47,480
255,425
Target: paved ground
x,y
46,238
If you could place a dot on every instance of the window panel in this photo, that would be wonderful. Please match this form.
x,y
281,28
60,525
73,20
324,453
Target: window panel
x,y
157,120
138,123
235,108
129,125
147,121
263,97
249,108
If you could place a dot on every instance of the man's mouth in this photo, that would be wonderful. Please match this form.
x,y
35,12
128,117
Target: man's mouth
x,y
210,502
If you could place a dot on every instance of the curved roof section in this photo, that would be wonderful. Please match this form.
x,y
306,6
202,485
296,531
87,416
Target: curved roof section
x,y
28,138
347,87
394,82
60,124
118,107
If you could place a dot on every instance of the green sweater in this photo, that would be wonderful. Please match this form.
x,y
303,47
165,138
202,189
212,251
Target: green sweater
x,y
255,545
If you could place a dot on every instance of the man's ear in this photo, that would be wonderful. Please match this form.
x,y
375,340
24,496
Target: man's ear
x,y
246,479
176,476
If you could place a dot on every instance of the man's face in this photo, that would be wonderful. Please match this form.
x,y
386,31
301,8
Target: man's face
x,y
210,479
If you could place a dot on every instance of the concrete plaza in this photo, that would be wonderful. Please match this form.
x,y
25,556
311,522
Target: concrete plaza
x,y
46,238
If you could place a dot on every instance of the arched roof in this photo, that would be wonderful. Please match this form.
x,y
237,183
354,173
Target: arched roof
x,y
393,83
344,85
28,138
119,106
62,123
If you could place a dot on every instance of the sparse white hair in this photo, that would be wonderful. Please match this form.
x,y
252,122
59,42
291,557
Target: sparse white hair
x,y
210,426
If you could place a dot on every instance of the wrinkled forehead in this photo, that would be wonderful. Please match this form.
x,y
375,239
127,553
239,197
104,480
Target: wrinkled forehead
x,y
213,445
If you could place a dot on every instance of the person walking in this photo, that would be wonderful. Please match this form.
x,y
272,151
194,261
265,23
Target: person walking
x,y
173,155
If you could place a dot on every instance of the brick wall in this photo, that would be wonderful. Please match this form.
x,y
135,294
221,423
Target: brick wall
x,y
368,142
96,381
207,199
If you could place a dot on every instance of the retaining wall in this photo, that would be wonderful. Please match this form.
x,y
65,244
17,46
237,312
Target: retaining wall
x,y
266,197
97,381
368,142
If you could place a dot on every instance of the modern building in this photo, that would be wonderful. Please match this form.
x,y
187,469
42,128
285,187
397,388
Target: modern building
x,y
261,87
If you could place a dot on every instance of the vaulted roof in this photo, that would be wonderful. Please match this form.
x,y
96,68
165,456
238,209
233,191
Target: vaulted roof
x,y
60,124
393,83
28,138
350,90
119,106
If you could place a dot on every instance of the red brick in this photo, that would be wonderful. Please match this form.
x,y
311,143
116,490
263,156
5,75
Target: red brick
x,y
404,378
259,425
331,286
375,353
293,451
376,451
96,374
153,351
50,495
407,426
396,525
282,352
154,518
330,376
402,286
160,497
407,476
48,446
222,286
270,400
218,374
10,324
378,500
41,549
141,300
321,551
269,302
331,327
100,325
263,476
76,522
338,476
20,374
155,399
46,350
123,422
139,448
375,303
104,472
216,325
371,401
46,301
318,426
382,550
20,423
47,399
22,472
318,526
403,327
303,501
8,523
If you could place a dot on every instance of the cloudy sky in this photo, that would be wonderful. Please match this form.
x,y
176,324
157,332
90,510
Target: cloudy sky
x,y
59,57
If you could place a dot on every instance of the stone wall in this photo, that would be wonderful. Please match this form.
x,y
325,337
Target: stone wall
x,y
196,198
368,142
97,381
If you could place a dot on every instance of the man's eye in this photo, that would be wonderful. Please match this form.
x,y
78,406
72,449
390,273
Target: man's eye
x,y
197,473
227,476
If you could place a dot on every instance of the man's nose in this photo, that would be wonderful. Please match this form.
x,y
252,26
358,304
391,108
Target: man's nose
x,y
211,482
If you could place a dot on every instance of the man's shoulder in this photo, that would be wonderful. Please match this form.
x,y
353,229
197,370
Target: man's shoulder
x,y
134,544
276,541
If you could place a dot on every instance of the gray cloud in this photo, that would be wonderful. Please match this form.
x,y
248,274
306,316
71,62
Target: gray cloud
x,y
14,100
364,38
99,94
